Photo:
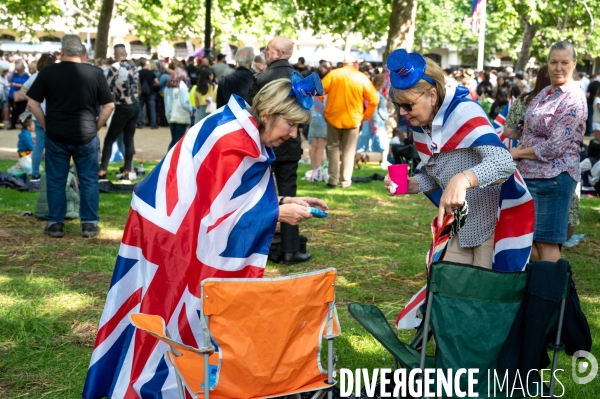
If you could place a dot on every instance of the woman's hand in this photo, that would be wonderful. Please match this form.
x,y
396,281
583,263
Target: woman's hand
x,y
306,201
453,196
413,185
521,152
293,213
514,152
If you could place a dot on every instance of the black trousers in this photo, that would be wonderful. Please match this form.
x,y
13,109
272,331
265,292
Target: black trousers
x,y
124,120
285,173
17,109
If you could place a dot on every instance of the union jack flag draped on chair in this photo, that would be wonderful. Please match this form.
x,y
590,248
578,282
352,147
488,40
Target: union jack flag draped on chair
x,y
459,124
499,123
407,318
208,209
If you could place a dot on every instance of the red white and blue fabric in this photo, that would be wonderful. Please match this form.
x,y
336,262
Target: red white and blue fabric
x,y
208,209
499,123
476,9
408,318
459,124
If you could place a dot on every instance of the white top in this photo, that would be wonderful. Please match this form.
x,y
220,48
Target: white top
x,y
596,111
584,83
28,85
395,140
4,83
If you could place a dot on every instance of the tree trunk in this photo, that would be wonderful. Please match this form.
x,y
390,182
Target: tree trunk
x,y
402,26
525,54
101,45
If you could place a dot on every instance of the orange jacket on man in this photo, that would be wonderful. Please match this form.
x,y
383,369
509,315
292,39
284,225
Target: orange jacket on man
x,y
351,97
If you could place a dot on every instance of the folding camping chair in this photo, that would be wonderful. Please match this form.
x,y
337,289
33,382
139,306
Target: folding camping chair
x,y
262,338
471,310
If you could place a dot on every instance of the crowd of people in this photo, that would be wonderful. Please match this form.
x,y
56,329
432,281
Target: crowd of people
x,y
360,112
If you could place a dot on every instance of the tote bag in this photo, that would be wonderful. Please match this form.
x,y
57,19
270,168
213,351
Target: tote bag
x,y
178,113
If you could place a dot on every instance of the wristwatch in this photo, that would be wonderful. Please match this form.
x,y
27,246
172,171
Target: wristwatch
x,y
281,200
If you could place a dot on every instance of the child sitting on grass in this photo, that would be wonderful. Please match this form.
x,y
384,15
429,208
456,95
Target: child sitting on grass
x,y
25,144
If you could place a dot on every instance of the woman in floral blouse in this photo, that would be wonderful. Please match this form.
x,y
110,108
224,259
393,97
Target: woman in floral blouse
x,y
549,153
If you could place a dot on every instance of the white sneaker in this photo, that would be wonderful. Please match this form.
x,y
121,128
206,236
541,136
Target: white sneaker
x,y
129,176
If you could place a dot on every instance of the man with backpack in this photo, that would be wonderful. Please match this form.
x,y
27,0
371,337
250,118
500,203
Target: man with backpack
x,y
148,84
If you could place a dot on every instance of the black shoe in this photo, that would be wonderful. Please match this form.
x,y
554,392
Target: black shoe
x,y
56,230
89,230
291,258
154,127
331,185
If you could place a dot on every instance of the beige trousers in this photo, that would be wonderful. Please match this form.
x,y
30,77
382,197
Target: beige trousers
x,y
344,141
480,255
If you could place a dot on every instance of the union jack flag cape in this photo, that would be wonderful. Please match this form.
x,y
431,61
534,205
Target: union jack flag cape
x,y
461,123
499,123
208,209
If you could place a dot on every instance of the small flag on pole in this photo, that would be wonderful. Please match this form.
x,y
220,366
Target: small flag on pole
x,y
476,9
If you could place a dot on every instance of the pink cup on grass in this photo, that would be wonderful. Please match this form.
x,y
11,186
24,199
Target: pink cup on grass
x,y
399,175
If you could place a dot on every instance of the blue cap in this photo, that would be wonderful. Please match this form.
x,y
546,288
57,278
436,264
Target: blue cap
x,y
406,69
306,88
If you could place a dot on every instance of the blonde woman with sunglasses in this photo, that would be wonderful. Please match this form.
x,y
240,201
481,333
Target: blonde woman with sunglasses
x,y
462,158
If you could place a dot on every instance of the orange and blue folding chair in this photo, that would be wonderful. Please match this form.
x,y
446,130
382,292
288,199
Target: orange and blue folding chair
x,y
262,338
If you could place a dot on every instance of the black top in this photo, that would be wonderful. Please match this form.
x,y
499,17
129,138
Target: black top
x,y
193,73
516,92
147,76
71,91
592,89
238,83
290,150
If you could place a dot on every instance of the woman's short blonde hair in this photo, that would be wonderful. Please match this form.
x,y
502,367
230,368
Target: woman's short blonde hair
x,y
274,99
19,65
435,72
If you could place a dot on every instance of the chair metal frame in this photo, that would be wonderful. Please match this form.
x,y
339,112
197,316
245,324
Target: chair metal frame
x,y
208,349
556,347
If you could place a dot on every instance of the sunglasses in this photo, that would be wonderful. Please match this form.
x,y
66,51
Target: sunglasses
x,y
407,106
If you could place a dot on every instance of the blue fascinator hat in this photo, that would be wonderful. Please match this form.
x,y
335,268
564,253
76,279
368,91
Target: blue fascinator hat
x,y
306,88
406,69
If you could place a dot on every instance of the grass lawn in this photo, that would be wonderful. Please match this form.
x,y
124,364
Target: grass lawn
x,y
52,291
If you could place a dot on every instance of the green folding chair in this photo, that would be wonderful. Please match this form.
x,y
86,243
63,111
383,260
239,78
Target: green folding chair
x,y
471,311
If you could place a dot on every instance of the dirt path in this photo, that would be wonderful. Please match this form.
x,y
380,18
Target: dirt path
x,y
150,145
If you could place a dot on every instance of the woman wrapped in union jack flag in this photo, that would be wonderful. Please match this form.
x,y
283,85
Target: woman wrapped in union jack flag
x,y
463,158
208,209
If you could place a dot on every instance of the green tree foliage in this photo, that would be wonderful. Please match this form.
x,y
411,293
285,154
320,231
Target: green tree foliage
x,y
574,20
512,26
439,23
263,20
445,23
340,18
28,12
